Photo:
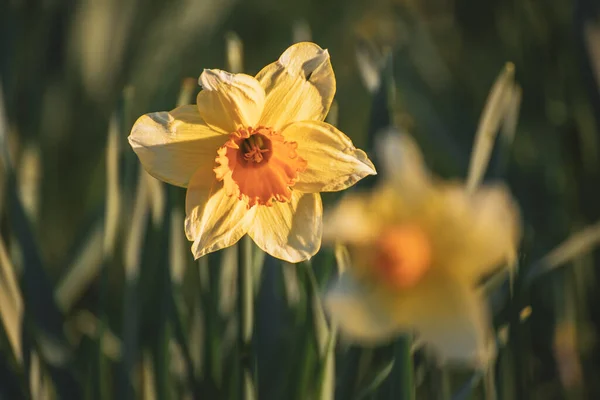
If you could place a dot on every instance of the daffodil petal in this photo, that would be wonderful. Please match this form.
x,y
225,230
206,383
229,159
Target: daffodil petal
x,y
229,101
489,219
357,315
173,145
351,221
445,314
403,165
496,229
299,86
290,231
448,314
214,220
451,316
333,163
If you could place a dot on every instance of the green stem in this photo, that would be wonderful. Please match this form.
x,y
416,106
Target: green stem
x,y
403,386
246,319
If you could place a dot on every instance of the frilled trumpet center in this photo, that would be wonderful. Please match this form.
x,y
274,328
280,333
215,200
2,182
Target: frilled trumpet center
x,y
258,166
255,150
402,255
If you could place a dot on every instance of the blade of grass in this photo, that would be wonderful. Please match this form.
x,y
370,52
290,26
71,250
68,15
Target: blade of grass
x,y
133,252
149,383
11,303
40,307
111,229
402,374
566,352
113,192
212,348
83,270
326,378
592,43
506,383
234,50
489,382
38,386
377,377
181,321
508,129
176,248
186,344
86,323
466,390
324,337
306,351
493,113
320,328
12,382
29,175
258,261
5,156
578,244
161,354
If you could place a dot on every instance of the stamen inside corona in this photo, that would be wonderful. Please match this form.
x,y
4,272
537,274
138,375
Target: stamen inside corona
x,y
255,149
403,255
258,166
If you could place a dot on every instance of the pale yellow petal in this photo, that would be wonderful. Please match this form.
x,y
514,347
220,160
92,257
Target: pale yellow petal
x,y
402,164
356,313
333,163
351,221
173,145
359,217
300,86
445,314
450,316
229,101
213,219
487,229
290,231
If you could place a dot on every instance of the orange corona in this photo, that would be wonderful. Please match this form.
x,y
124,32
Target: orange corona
x,y
258,166
403,255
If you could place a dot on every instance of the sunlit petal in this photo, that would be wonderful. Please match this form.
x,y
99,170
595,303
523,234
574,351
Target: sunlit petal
x,y
173,145
358,317
214,220
402,164
452,317
351,221
489,220
229,101
290,231
445,312
333,163
299,86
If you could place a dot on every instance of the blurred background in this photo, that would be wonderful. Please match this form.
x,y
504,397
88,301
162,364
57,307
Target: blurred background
x,y
99,293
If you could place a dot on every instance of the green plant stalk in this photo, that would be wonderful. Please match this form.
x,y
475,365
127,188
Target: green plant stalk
x,y
402,376
305,344
161,352
517,346
246,319
212,371
100,372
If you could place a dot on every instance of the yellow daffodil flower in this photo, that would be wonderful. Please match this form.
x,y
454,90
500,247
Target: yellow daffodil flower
x,y
254,153
417,250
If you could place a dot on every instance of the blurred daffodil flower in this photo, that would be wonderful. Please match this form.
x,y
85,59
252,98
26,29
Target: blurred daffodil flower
x,y
254,153
417,248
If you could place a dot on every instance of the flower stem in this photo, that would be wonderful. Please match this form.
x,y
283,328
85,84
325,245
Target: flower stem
x,y
403,386
246,319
